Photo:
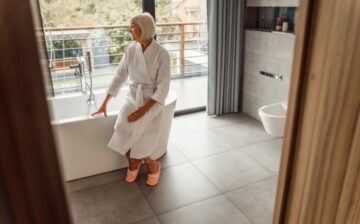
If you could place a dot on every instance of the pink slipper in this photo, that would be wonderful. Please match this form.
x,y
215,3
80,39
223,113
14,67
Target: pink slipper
x,y
132,174
153,178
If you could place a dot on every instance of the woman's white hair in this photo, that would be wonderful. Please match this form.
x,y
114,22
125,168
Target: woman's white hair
x,y
146,23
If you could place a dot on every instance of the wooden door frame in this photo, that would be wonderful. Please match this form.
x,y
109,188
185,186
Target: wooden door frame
x,y
30,171
319,179
295,106
30,175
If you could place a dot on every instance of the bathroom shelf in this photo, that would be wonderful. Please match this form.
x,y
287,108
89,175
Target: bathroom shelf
x,y
265,18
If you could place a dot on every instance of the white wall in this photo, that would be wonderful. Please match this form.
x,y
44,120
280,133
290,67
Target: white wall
x,y
270,52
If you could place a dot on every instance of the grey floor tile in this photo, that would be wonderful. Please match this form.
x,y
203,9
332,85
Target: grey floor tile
x,y
217,210
179,185
232,169
267,153
93,181
257,200
201,144
172,157
243,134
200,121
153,220
240,144
114,202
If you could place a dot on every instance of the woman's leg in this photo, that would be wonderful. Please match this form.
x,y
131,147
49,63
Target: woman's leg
x,y
133,163
150,164
154,168
133,170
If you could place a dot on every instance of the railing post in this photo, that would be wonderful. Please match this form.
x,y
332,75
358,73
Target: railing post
x,y
63,48
62,63
182,49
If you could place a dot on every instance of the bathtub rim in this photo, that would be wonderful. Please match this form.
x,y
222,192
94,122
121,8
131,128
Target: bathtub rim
x,y
171,98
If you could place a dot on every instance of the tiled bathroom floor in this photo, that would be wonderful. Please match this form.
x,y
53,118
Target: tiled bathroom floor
x,y
217,170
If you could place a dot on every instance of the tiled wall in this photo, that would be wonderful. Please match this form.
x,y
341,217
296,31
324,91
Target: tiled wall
x,y
272,3
270,52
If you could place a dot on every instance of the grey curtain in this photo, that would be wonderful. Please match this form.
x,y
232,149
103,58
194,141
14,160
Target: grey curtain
x,y
225,39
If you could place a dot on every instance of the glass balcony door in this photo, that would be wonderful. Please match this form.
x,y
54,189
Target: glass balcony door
x,y
85,41
182,29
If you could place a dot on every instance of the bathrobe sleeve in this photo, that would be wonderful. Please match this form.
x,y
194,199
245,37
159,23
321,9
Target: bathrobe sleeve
x,y
120,77
163,78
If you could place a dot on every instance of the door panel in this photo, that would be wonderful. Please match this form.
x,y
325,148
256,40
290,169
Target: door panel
x,y
323,150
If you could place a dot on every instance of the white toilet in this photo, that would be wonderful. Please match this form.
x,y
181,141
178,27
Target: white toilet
x,y
273,117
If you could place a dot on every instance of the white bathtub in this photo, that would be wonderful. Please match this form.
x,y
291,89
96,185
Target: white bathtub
x,y
82,139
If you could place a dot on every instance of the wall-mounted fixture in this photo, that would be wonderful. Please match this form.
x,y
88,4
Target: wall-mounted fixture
x,y
271,75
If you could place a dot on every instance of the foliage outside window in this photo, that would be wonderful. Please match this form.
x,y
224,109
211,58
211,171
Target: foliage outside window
x,y
75,29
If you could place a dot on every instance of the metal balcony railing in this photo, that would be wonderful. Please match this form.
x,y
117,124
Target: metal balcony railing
x,y
75,53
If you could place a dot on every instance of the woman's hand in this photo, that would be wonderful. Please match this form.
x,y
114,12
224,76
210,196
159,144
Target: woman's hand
x,y
136,115
141,111
102,109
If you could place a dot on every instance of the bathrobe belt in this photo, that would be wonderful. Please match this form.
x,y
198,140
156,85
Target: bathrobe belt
x,y
138,101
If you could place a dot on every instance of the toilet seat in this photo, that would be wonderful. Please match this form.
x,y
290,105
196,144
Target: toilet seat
x,y
273,117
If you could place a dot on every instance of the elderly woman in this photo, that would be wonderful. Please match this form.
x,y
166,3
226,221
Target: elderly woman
x,y
147,64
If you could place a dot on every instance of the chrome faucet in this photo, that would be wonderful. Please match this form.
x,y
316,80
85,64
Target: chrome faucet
x,y
80,71
91,99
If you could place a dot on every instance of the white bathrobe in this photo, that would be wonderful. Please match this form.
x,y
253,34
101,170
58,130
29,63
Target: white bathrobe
x,y
149,74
